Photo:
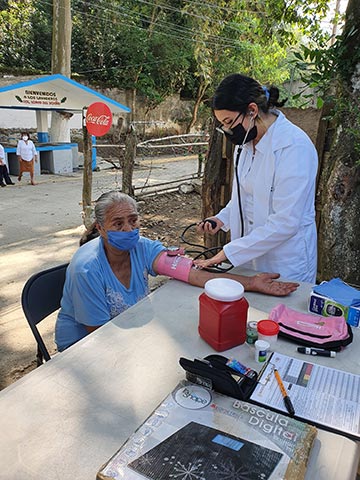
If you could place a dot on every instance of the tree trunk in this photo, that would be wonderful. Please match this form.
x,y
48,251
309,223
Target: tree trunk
x,y
200,95
87,179
217,181
61,63
129,162
339,191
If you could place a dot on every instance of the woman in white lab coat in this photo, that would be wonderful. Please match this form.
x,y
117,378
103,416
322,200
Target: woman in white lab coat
x,y
271,214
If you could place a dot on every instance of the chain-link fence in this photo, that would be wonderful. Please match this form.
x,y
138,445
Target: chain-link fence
x,y
162,164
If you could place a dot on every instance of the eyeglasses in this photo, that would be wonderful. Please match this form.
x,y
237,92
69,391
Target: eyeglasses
x,y
222,129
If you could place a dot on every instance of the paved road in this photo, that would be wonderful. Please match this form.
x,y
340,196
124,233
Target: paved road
x,y
40,227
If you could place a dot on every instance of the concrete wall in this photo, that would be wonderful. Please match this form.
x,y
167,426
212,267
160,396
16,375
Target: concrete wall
x,y
171,116
173,112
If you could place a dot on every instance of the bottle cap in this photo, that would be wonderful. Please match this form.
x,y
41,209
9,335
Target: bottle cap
x,y
224,289
262,345
268,327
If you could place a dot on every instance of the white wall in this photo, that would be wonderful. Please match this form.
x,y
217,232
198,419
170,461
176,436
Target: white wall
x,y
23,119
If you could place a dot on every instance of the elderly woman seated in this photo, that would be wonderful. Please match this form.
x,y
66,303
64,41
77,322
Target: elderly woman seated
x,y
109,273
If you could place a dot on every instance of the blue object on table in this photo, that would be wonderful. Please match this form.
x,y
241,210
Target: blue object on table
x,y
93,152
339,291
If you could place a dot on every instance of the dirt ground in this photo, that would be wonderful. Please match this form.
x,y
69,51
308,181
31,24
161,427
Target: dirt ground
x,y
40,227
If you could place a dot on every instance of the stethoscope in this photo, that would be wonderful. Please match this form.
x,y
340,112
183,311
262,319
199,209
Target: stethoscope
x,y
237,159
203,252
238,153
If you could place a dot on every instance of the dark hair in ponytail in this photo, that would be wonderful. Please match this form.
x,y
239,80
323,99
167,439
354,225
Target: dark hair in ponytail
x,y
236,91
274,97
91,233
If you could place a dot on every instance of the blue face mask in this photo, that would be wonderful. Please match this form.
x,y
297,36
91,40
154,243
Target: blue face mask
x,y
123,240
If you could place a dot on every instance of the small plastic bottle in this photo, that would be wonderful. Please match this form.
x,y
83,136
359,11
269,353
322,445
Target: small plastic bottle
x,y
251,333
261,350
268,330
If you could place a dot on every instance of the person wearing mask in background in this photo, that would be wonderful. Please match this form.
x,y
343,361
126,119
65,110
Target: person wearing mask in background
x,y
4,174
271,214
27,156
109,273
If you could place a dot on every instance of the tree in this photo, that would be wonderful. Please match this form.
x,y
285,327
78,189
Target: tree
x,y
252,38
25,35
339,186
130,45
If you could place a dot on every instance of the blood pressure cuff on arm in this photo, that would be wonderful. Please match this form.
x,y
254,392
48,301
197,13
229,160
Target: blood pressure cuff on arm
x,y
176,266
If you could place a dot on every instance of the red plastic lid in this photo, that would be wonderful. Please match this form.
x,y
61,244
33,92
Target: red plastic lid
x,y
268,327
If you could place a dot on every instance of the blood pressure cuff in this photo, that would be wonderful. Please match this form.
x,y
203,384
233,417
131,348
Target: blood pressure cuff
x,y
213,372
175,266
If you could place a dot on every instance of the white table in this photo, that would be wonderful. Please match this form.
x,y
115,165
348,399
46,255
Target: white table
x,y
68,417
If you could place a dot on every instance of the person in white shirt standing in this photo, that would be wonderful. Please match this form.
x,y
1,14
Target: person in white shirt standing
x,y
27,155
271,214
4,174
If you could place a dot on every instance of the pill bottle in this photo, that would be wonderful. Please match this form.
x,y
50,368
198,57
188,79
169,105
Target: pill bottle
x,y
251,333
223,314
268,330
261,350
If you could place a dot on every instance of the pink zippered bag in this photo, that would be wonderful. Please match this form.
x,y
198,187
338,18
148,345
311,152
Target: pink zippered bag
x,y
331,333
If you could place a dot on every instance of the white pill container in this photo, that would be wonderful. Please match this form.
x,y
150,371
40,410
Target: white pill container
x,y
268,330
261,350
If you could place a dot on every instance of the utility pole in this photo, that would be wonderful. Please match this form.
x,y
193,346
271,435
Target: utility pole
x,y
61,38
61,63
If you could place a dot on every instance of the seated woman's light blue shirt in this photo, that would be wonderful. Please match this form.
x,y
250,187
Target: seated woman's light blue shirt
x,y
92,293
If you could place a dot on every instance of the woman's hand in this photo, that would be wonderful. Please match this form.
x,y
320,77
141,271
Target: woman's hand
x,y
265,283
215,260
205,226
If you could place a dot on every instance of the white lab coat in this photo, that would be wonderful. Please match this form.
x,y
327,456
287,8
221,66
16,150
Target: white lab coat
x,y
280,231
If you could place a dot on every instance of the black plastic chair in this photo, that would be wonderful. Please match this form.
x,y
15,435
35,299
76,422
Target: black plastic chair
x,y
40,297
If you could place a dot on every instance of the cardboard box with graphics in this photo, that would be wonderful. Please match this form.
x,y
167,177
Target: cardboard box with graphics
x,y
328,307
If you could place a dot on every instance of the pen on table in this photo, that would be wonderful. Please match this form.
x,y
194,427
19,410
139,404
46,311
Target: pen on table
x,y
316,351
289,406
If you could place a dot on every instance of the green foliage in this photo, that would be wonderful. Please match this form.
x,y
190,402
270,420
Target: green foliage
x,y
158,47
323,67
25,35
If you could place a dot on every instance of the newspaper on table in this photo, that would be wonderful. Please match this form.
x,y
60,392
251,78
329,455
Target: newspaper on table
x,y
197,434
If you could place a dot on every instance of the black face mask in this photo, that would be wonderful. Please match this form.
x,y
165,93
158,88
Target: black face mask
x,y
240,136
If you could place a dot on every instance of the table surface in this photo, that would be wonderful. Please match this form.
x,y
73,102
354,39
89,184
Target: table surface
x,y
68,417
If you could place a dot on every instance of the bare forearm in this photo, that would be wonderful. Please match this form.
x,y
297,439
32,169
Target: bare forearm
x,y
183,269
266,283
198,278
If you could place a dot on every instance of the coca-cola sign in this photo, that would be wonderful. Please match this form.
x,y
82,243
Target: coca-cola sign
x,y
98,119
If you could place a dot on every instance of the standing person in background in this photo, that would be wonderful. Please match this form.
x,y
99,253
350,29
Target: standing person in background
x,y
271,214
4,174
27,155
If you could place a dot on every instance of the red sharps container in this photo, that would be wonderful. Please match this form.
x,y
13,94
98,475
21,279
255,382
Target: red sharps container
x,y
223,314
